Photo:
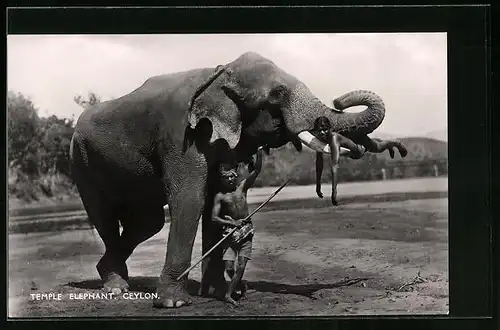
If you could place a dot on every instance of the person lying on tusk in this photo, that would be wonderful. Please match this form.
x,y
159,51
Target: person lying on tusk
x,y
339,146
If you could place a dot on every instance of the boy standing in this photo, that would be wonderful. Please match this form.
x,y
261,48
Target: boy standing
x,y
230,208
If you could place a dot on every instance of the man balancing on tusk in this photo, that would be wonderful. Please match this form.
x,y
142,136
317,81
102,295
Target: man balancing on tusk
x,y
339,145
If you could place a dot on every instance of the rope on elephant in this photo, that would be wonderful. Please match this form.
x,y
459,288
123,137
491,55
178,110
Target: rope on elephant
x,y
234,229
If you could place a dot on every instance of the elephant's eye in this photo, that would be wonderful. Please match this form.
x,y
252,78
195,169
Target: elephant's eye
x,y
277,94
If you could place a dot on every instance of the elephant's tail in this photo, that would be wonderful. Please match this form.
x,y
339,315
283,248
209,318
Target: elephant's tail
x,y
77,150
78,158
72,157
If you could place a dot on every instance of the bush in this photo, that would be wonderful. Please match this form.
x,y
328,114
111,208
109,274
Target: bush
x,y
38,151
23,128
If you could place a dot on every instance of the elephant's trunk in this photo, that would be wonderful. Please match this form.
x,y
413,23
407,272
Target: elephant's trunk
x,y
364,122
304,108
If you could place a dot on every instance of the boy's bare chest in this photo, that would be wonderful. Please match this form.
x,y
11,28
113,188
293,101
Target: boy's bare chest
x,y
234,204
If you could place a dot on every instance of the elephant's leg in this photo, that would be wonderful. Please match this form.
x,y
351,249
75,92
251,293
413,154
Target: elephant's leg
x,y
111,267
212,266
102,214
186,200
104,217
139,225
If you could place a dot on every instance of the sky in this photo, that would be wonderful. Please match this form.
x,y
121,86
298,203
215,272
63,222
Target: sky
x,y
409,71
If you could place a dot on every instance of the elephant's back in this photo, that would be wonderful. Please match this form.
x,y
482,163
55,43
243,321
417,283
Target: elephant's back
x,y
171,82
167,93
127,130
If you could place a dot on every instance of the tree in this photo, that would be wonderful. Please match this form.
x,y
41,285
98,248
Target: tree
x,y
55,136
93,99
23,129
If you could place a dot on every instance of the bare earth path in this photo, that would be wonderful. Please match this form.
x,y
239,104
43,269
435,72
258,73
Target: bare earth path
x,y
305,262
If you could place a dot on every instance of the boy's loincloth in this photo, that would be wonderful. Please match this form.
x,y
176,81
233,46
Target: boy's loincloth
x,y
239,244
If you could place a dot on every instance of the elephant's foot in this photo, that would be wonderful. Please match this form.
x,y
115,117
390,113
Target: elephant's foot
x,y
115,284
106,266
171,294
115,278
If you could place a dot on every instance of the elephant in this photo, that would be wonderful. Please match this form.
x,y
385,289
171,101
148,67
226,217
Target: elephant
x,y
162,144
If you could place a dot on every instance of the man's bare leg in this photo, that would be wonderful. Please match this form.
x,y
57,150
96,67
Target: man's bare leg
x,y
231,274
238,275
376,145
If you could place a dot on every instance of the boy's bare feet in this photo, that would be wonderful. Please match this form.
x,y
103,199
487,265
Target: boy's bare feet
x,y
230,300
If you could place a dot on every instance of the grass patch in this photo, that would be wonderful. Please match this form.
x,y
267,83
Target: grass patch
x,y
75,205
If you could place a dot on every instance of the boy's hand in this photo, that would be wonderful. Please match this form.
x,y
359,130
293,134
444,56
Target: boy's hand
x,y
238,223
245,221
228,217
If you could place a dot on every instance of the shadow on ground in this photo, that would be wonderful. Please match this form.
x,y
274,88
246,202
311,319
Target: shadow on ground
x,y
306,290
148,285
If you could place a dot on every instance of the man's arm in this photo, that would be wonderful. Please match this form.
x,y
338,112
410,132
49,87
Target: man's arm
x,y
216,211
250,180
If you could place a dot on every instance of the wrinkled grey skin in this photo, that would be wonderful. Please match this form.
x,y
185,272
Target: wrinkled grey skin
x,y
162,143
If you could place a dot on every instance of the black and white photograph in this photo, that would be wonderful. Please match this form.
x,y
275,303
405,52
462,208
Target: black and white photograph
x,y
276,174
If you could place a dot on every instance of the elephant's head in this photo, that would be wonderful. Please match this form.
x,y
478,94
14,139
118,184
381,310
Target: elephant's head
x,y
251,102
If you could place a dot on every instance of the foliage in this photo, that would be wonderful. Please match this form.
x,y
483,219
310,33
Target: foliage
x,y
91,100
38,148
23,123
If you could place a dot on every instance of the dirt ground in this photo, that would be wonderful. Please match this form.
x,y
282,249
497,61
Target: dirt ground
x,y
352,259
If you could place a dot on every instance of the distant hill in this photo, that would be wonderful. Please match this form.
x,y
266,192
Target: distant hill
x,y
441,135
420,148
384,136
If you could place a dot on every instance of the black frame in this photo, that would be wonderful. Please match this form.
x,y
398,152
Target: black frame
x,y
472,291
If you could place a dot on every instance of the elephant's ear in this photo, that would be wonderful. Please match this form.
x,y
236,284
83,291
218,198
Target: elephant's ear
x,y
212,102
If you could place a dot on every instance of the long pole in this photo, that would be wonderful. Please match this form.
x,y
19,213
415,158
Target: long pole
x,y
232,230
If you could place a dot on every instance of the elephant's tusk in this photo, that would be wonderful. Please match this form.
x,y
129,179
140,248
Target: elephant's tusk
x,y
337,110
315,144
